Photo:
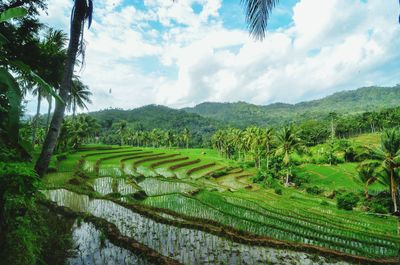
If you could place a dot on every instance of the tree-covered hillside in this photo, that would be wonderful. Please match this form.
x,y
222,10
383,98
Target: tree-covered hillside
x,y
242,114
152,117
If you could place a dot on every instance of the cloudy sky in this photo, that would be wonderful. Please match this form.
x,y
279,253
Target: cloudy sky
x,y
184,53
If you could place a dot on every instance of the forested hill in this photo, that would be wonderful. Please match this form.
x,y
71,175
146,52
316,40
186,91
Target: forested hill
x,y
242,114
154,116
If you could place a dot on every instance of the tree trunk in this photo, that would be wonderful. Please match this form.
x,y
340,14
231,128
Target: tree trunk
x,y
74,109
287,178
366,188
58,116
393,189
49,112
36,121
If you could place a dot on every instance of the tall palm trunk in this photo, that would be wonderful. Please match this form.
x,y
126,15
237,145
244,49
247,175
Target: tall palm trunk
x,y
287,177
50,99
366,188
58,116
36,121
74,108
393,188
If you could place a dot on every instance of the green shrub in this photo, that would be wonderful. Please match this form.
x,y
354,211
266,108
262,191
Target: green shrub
x,y
324,203
347,201
299,178
315,190
61,157
381,203
247,164
278,190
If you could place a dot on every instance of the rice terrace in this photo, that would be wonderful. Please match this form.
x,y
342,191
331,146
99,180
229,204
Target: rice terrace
x,y
166,132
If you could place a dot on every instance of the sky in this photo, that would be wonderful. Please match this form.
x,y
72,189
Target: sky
x,y
186,52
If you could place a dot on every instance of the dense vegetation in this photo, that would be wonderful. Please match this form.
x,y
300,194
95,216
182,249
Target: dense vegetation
x,y
242,114
313,131
303,177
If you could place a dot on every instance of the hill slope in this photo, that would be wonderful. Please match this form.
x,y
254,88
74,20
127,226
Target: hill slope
x,y
346,102
155,116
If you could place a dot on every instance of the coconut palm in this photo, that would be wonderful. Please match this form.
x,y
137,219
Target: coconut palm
x,y
332,116
254,140
389,154
186,137
53,47
236,136
79,96
121,131
169,138
268,141
81,12
257,15
368,173
288,141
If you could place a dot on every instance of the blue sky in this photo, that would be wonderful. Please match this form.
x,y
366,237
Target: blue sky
x,y
184,53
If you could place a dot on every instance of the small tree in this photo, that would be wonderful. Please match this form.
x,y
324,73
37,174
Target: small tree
x,y
288,142
368,173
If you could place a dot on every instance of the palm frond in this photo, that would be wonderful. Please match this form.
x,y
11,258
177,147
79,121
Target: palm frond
x,y
257,15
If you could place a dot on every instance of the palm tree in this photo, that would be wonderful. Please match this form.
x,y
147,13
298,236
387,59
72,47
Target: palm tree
x,y
53,46
268,140
257,15
288,142
186,137
79,96
332,116
82,11
169,138
253,138
36,92
236,137
121,130
217,141
389,154
52,51
368,174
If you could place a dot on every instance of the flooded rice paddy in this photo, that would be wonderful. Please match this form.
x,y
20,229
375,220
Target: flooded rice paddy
x,y
187,246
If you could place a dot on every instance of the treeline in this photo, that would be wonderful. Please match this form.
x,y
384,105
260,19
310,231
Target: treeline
x,y
242,114
122,134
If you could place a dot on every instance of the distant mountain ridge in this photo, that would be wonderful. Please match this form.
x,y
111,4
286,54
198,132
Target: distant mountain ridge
x,y
242,114
208,116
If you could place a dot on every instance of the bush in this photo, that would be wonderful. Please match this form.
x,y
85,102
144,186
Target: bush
x,y
247,164
381,203
299,178
324,203
61,157
347,201
278,190
315,190
270,182
259,177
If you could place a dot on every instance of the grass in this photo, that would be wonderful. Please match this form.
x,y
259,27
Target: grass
x,y
230,200
369,139
336,177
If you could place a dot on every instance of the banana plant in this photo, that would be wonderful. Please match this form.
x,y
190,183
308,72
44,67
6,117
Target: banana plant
x,y
12,94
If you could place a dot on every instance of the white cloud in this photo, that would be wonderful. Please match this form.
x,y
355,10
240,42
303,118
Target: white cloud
x,y
330,45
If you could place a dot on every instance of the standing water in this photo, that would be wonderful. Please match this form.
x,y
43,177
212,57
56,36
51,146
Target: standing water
x,y
187,246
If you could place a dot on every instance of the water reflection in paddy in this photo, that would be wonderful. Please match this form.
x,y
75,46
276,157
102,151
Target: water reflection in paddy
x,y
188,246
91,248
